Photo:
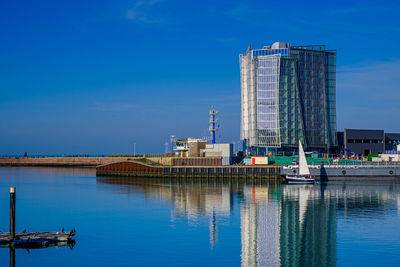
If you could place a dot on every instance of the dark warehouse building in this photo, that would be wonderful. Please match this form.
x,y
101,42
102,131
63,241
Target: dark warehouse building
x,y
365,142
362,142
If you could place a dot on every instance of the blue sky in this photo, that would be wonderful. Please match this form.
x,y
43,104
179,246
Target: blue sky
x,y
93,77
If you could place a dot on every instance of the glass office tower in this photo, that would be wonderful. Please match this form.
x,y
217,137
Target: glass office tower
x,y
288,93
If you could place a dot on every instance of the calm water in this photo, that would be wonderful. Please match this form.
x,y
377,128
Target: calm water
x,y
141,222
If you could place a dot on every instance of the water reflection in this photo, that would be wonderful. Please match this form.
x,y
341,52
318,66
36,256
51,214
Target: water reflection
x,y
280,225
44,171
13,247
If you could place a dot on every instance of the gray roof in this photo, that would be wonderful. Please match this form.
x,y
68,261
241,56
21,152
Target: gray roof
x,y
364,134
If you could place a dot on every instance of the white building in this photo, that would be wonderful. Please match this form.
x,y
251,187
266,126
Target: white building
x,y
219,150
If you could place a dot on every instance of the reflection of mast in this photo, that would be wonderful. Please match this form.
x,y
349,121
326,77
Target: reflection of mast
x,y
304,195
213,229
12,256
398,204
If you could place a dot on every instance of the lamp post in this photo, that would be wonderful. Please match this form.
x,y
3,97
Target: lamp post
x,y
134,149
172,146
166,148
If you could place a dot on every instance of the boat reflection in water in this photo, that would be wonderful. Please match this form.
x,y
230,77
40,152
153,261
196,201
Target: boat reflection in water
x,y
280,225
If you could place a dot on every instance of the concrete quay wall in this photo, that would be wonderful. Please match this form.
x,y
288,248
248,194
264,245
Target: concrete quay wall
x,y
138,169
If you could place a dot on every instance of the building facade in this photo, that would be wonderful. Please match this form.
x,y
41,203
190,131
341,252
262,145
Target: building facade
x,y
288,93
363,142
392,142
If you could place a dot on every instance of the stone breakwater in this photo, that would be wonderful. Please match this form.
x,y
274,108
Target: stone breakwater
x,y
59,161
96,161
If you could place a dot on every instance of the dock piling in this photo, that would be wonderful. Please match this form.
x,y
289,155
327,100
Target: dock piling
x,y
12,212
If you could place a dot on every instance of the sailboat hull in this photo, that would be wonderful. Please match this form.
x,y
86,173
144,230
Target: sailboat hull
x,y
299,179
303,177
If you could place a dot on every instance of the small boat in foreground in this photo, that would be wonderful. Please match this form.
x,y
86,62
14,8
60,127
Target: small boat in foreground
x,y
304,175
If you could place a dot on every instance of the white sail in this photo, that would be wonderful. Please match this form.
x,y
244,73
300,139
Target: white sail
x,y
303,167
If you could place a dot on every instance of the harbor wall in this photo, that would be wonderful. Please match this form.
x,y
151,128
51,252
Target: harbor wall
x,y
138,169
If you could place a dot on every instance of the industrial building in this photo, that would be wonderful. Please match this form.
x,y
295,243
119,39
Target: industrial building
x,y
189,147
196,151
219,150
392,142
288,94
361,142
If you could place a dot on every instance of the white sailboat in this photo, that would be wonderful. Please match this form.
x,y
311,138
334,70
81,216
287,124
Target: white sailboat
x,y
303,176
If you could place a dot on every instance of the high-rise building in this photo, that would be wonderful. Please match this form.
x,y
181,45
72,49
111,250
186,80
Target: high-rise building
x,y
288,93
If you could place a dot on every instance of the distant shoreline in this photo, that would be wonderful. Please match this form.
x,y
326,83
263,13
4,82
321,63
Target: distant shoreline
x,y
58,161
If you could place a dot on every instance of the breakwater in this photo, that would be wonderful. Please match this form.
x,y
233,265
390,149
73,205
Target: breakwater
x,y
96,161
58,161
138,169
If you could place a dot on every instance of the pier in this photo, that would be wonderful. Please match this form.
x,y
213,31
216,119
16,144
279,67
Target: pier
x,y
138,169
32,239
37,239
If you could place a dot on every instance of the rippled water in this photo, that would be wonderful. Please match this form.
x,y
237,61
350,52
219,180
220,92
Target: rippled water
x,y
156,222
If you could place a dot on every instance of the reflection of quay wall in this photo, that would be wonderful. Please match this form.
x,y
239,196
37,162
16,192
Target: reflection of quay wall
x,y
376,198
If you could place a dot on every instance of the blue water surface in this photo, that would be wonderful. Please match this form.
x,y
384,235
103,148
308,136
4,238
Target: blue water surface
x,y
191,222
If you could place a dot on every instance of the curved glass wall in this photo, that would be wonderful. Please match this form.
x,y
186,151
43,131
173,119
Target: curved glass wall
x,y
288,94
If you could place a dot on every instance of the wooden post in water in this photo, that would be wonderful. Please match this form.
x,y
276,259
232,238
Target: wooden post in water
x,y
12,212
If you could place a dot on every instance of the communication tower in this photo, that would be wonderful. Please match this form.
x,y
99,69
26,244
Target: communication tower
x,y
213,121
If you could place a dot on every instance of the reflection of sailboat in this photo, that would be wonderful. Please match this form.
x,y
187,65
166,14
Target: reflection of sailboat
x,y
303,176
